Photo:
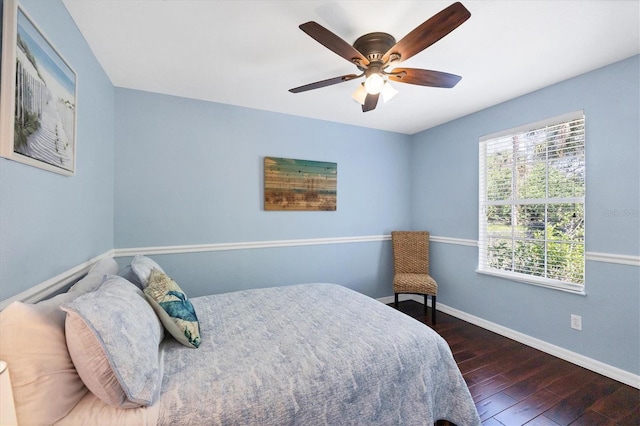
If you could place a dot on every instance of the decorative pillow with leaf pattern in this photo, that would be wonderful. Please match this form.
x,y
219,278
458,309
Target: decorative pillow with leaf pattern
x,y
173,308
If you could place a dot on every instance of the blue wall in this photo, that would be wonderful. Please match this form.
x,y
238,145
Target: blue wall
x,y
50,223
444,164
191,172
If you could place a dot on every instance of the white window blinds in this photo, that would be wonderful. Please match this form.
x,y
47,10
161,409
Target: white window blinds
x,y
532,188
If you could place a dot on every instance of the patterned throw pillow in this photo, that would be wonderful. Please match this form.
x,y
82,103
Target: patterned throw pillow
x,y
173,308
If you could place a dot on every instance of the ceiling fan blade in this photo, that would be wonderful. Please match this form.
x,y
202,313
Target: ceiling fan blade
x,y
324,83
424,77
370,102
333,42
429,32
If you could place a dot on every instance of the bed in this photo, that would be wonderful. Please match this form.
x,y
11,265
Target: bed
x,y
307,354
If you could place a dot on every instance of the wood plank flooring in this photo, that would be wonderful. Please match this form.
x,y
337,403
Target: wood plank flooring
x,y
513,384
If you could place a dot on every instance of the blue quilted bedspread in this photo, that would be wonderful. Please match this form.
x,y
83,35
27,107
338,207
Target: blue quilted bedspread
x,y
310,354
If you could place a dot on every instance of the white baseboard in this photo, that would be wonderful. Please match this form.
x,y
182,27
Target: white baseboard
x,y
565,354
402,297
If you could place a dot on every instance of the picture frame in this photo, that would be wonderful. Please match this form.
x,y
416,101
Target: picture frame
x,y
301,185
38,94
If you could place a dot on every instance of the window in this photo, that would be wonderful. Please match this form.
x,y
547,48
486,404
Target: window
x,y
532,187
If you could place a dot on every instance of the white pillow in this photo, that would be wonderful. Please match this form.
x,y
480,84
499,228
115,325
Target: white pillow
x,y
128,274
46,385
94,277
142,267
106,266
113,336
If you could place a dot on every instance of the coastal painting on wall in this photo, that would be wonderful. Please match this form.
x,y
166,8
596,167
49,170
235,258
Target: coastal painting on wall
x,y
38,97
299,184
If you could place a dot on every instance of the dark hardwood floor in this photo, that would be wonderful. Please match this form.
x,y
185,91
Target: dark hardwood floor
x,y
514,384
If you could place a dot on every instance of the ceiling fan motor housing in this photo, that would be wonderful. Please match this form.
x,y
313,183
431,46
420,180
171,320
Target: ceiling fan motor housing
x,y
373,46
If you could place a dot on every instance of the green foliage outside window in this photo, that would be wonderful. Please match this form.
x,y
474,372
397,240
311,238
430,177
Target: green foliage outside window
x,y
534,207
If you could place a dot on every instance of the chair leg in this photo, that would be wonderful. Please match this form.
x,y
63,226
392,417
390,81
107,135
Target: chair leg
x,y
425,304
433,310
395,303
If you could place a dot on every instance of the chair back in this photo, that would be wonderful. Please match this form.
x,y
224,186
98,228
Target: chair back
x,y
410,252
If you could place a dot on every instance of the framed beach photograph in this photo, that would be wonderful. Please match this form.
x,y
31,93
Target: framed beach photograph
x,y
37,97
291,184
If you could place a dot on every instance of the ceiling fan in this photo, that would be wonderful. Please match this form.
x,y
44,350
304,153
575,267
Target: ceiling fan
x,y
373,53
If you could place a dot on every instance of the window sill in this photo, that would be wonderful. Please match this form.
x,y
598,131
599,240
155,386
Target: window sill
x,y
537,281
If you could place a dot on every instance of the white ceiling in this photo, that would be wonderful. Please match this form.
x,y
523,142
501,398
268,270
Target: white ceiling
x,y
249,53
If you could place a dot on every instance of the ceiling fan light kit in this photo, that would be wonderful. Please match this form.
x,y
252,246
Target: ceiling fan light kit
x,y
388,92
375,52
360,94
374,82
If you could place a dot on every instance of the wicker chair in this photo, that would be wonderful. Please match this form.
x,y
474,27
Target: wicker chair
x,y
411,267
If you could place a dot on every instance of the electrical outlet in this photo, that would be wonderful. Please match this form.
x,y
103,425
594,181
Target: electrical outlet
x,y
576,322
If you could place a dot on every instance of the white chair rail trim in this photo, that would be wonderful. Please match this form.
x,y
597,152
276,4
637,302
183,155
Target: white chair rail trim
x,y
53,285
620,259
456,241
196,248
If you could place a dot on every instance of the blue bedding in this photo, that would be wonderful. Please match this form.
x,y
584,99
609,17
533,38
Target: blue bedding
x,y
310,354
